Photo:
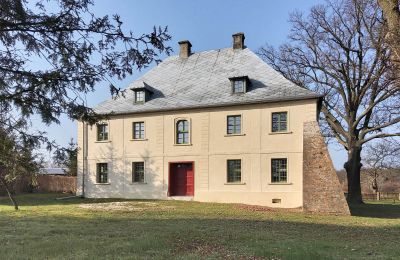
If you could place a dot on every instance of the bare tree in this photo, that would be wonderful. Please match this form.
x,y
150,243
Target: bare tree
x,y
338,49
391,14
380,158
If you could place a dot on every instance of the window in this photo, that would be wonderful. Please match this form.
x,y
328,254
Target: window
x,y
234,124
139,96
234,171
138,172
238,86
138,130
182,132
102,132
279,170
279,122
102,173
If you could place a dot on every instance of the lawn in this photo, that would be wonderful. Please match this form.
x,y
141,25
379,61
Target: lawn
x,y
46,228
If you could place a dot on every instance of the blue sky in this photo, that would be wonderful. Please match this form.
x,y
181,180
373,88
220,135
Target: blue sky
x,y
208,24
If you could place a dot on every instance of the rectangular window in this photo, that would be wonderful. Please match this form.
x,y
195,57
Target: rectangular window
x,y
238,86
138,130
234,168
102,173
102,132
139,96
234,124
279,122
279,170
138,172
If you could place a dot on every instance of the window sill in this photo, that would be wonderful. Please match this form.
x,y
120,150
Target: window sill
x,y
182,144
97,183
280,183
235,183
280,133
229,135
138,183
108,141
145,139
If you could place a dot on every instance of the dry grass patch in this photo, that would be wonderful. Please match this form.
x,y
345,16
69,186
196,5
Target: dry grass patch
x,y
127,206
255,208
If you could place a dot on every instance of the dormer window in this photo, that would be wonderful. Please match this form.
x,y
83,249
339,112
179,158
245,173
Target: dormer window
x,y
239,84
142,93
139,96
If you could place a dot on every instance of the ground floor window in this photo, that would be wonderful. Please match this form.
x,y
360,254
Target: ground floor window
x,y
279,170
234,171
138,172
102,173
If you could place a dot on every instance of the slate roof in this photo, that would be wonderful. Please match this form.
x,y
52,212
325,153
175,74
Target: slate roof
x,y
52,171
202,80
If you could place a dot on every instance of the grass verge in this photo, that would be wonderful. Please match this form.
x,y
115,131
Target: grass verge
x,y
45,228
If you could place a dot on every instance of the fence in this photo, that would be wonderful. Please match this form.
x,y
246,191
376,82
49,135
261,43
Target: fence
x,y
51,183
382,196
22,185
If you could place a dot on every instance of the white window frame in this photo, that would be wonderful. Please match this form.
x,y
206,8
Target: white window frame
x,y
176,131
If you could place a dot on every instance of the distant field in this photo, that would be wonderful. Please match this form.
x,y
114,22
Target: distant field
x,y
46,228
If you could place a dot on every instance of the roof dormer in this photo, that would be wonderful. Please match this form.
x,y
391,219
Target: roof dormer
x,y
240,84
142,94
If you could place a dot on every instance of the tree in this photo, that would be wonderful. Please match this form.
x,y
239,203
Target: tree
x,y
338,49
391,13
17,161
79,51
52,53
380,158
67,158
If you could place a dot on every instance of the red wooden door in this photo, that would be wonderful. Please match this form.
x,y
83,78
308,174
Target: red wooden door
x,y
181,179
189,180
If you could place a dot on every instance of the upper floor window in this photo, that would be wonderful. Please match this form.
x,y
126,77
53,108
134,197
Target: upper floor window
x,y
279,122
182,132
102,173
138,172
279,170
234,124
138,130
102,132
139,96
234,171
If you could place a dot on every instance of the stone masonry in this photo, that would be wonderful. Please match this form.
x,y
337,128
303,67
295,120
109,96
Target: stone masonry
x,y
322,190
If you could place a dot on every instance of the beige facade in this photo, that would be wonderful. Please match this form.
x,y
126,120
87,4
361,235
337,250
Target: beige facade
x,y
209,149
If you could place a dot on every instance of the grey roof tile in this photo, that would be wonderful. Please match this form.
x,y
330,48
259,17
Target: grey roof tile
x,y
202,80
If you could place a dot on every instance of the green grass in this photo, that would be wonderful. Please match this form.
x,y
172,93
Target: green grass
x,y
45,228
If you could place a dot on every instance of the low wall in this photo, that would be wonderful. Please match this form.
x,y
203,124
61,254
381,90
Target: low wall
x,y
50,183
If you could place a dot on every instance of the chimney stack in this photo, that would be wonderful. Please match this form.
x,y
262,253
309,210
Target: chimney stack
x,y
185,49
238,41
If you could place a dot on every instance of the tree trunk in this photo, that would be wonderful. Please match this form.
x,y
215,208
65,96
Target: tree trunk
x,y
14,202
353,170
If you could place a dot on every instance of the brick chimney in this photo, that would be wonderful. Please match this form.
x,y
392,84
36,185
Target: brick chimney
x,y
238,41
185,49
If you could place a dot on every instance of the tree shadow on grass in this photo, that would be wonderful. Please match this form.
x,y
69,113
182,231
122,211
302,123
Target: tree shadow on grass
x,y
375,210
43,199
